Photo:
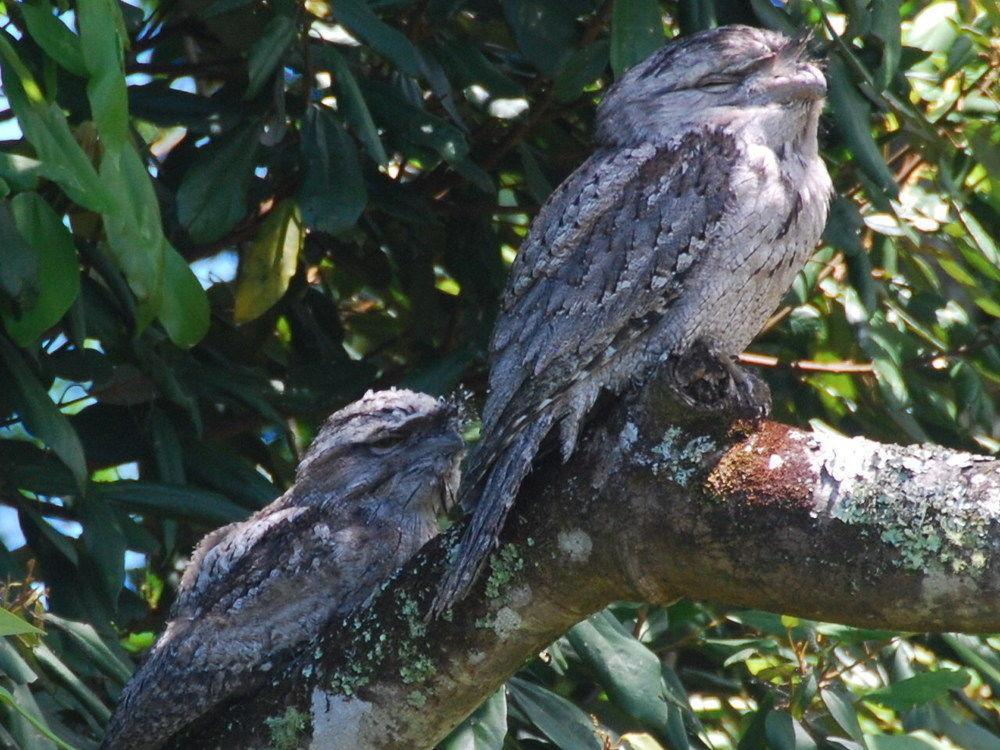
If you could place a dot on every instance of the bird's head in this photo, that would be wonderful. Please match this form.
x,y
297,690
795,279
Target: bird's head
x,y
715,77
395,446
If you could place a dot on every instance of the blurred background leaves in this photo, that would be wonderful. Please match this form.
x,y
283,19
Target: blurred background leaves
x,y
222,219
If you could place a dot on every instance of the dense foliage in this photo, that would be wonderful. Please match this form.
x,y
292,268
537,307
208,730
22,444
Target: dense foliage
x,y
374,166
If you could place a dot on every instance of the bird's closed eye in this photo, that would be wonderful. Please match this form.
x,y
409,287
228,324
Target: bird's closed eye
x,y
717,81
386,441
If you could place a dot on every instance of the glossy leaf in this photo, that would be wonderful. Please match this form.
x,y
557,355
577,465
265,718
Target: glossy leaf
x,y
564,724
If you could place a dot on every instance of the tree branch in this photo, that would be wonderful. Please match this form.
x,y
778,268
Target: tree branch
x,y
772,517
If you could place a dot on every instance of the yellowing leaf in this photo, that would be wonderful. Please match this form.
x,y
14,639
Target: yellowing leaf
x,y
269,264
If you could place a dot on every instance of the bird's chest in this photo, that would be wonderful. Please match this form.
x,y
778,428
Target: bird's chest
x,y
768,232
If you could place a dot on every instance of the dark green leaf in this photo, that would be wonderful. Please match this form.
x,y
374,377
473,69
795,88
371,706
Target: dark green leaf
x,y
19,282
170,501
852,117
544,31
841,708
584,67
567,726
353,102
268,52
212,196
387,41
636,32
40,416
332,194
104,542
629,671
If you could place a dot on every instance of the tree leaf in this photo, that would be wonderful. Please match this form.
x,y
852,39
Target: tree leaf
x,y
184,310
355,109
53,36
212,195
629,671
104,542
544,31
268,51
332,194
921,688
269,263
11,624
583,68
19,283
636,32
484,729
97,651
168,500
102,39
134,230
567,726
384,39
58,268
40,415
852,118
842,710
45,127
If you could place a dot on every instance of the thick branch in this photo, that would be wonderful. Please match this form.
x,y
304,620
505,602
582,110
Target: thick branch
x,y
812,524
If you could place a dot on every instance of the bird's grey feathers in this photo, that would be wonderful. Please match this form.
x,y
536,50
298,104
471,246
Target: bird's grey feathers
x,y
365,500
703,200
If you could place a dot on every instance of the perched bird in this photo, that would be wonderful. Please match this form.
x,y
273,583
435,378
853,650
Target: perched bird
x,y
704,197
364,501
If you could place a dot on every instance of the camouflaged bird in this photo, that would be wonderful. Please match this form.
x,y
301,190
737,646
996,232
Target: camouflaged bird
x,y
365,500
705,196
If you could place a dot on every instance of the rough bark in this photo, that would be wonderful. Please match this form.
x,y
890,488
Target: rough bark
x,y
766,516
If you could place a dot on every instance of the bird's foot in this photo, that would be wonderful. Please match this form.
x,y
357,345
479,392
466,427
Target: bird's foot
x,y
711,384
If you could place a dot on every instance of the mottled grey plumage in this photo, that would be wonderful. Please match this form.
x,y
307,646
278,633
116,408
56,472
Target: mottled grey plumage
x,y
365,500
704,198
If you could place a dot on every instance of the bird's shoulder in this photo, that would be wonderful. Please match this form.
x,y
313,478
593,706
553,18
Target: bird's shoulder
x,y
614,241
235,562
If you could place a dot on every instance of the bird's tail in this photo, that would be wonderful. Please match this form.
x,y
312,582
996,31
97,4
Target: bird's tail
x,y
494,479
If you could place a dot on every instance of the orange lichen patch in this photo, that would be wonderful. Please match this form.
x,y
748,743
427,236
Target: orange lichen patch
x,y
765,468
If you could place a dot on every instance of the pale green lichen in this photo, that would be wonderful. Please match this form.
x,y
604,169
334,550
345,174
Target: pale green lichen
x,y
504,565
920,506
416,699
285,731
417,670
682,459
